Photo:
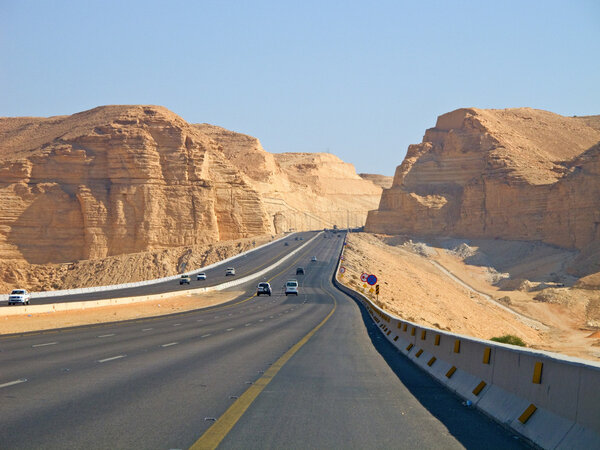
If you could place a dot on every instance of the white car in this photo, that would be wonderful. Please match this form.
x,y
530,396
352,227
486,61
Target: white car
x,y
19,297
201,276
313,259
291,287
229,271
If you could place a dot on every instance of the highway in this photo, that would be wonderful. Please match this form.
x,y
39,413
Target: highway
x,y
244,265
310,371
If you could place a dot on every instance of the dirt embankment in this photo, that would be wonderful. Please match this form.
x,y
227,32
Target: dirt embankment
x,y
484,288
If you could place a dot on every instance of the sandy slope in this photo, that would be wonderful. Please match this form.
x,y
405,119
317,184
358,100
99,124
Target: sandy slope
x,y
413,288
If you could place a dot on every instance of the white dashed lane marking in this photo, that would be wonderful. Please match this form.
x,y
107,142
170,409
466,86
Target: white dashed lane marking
x,y
230,329
106,335
12,383
205,335
43,345
147,329
169,344
111,359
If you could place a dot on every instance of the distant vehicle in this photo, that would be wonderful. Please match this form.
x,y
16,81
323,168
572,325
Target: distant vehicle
x,y
229,271
185,279
300,271
296,238
313,259
291,287
263,288
301,238
286,244
201,276
19,297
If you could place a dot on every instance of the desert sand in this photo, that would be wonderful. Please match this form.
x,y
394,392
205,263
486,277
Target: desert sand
x,y
417,282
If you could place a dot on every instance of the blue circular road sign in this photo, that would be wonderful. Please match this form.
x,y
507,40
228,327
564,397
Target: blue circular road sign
x,y
371,279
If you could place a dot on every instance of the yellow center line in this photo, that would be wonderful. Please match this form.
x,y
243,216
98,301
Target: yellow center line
x,y
221,428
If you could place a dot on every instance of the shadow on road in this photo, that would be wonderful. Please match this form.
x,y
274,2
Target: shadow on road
x,y
469,426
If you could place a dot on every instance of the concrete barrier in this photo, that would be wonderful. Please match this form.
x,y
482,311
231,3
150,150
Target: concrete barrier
x,y
53,307
551,399
146,282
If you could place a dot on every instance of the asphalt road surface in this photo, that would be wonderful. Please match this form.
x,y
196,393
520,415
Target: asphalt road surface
x,y
310,371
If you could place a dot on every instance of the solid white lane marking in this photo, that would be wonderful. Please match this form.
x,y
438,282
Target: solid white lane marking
x,y
230,329
43,345
147,329
111,359
106,335
12,383
206,335
169,344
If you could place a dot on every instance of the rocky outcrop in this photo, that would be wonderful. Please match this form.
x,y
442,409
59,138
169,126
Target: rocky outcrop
x,y
124,179
520,174
300,190
380,180
117,180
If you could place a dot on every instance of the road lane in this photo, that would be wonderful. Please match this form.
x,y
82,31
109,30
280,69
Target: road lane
x,y
71,394
244,265
340,393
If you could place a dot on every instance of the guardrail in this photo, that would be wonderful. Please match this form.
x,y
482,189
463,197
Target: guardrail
x,y
550,399
143,283
53,307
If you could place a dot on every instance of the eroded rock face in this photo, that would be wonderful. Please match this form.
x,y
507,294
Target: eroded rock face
x,y
300,191
114,180
124,179
519,174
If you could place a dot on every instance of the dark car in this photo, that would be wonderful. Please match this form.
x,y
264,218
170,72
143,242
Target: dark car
x,y
300,271
263,288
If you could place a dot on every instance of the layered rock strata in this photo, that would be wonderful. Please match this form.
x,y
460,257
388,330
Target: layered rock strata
x,y
124,179
520,174
300,190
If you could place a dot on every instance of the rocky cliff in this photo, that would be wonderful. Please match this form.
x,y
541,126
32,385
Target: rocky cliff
x,y
300,190
380,180
122,179
519,174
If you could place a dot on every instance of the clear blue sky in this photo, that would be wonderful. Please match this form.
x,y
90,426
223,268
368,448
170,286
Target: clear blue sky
x,y
362,80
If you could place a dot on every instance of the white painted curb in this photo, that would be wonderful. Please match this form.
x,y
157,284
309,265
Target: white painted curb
x,y
503,381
